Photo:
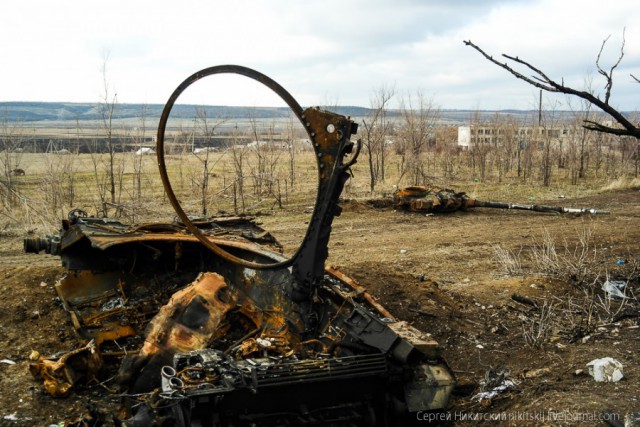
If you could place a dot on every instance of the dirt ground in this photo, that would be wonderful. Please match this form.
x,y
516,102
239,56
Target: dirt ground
x,y
442,274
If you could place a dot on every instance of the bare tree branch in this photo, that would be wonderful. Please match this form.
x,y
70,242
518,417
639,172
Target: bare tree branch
x,y
598,127
540,80
535,81
609,75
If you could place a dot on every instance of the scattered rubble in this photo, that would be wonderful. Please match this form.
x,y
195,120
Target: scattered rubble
x,y
614,289
494,383
606,369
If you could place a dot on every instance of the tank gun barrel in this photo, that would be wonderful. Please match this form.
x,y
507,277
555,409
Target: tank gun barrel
x,y
535,208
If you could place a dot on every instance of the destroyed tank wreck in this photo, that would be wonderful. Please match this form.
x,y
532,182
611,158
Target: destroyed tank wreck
x,y
212,325
428,199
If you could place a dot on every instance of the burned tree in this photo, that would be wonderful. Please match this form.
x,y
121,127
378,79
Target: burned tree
x,y
376,129
419,115
11,139
542,81
203,155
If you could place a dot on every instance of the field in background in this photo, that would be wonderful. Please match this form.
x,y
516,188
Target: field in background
x,y
54,184
235,160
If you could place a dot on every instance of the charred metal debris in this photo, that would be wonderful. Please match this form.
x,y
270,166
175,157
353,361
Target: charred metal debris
x,y
211,325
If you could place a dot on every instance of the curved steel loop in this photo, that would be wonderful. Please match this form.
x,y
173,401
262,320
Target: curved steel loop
x,y
220,69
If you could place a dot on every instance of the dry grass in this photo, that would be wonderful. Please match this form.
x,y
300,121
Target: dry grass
x,y
578,261
623,183
544,255
508,260
536,329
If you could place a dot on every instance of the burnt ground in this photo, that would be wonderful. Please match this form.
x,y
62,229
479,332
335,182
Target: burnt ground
x,y
442,274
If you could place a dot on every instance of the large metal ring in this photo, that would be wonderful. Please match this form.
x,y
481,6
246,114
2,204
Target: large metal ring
x,y
220,69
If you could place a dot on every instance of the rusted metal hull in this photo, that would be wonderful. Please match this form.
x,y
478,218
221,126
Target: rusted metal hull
x,y
235,332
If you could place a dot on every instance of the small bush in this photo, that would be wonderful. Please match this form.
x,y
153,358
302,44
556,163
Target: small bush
x,y
508,260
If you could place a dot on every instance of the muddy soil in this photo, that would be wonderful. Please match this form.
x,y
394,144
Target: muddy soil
x,y
442,274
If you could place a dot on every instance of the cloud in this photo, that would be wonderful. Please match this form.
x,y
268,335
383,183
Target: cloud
x,y
317,49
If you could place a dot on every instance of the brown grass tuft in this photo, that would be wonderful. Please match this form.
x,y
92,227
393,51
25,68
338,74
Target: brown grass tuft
x,y
623,183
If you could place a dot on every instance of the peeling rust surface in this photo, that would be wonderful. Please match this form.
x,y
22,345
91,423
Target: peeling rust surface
x,y
59,375
191,318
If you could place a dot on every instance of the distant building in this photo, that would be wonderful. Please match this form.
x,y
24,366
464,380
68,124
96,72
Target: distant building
x,y
464,136
144,151
204,150
468,136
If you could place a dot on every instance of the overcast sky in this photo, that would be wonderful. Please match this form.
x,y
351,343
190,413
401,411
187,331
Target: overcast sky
x,y
324,52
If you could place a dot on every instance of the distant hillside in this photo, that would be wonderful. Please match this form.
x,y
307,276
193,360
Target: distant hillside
x,y
33,112
65,111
